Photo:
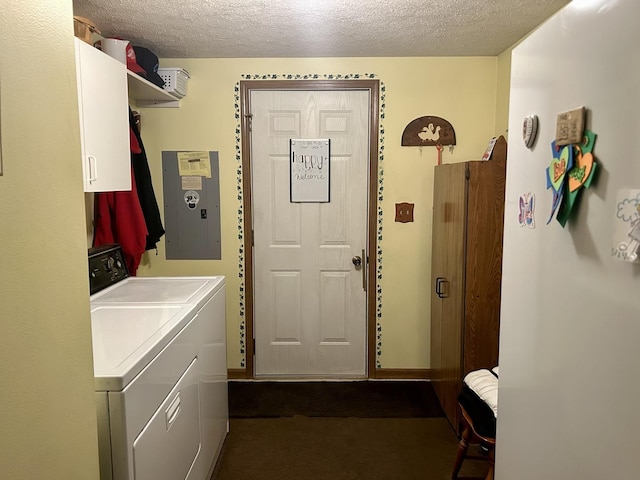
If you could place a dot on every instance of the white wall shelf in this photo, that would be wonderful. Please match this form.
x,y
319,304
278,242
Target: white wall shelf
x,y
147,94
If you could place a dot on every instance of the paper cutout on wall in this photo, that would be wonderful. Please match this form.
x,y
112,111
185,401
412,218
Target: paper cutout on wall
x,y
527,206
626,232
572,169
556,174
428,131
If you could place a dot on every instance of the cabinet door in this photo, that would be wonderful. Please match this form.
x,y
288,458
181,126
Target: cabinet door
x,y
104,120
485,227
448,272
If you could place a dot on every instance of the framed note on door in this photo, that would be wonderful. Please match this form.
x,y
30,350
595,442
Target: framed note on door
x,y
309,166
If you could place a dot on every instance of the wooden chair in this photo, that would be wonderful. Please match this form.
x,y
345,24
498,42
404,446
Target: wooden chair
x,y
469,435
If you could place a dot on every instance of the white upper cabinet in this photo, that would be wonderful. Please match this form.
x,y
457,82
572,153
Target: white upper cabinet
x,y
104,120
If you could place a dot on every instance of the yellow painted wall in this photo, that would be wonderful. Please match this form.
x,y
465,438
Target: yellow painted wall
x,y
503,90
461,90
47,412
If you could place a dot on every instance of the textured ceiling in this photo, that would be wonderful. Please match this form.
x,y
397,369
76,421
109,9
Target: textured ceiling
x,y
318,28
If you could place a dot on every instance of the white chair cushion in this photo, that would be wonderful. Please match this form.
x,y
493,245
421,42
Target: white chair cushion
x,y
484,384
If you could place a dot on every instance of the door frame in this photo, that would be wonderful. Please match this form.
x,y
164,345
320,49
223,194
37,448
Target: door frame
x,y
373,87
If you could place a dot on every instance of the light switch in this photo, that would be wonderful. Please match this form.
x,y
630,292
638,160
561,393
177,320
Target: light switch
x,y
404,212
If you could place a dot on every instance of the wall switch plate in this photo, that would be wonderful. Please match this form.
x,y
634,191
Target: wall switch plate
x,y
404,212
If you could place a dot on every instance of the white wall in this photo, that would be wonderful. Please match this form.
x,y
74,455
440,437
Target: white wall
x,y
570,325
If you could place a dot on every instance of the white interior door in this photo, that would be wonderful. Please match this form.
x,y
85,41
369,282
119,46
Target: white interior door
x,y
309,297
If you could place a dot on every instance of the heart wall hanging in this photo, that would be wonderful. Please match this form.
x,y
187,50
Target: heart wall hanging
x,y
572,169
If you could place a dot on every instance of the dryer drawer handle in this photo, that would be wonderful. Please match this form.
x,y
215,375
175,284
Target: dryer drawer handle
x,y
171,413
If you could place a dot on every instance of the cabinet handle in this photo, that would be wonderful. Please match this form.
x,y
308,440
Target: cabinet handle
x,y
93,168
441,291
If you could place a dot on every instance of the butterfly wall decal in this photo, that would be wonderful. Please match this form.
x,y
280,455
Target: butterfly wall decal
x,y
526,210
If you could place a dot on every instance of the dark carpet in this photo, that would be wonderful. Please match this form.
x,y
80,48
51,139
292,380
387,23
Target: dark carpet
x,y
338,431
366,399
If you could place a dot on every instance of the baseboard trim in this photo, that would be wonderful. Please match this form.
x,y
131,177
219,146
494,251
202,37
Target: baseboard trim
x,y
238,374
403,373
379,374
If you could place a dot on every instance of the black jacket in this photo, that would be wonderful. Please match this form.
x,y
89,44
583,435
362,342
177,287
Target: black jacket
x,y
146,194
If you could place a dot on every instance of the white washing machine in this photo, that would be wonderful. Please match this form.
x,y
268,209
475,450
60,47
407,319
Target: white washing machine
x,y
159,348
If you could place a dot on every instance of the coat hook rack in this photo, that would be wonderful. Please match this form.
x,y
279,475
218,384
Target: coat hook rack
x,y
428,131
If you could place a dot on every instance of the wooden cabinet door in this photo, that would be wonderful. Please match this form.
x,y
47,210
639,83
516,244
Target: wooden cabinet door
x,y
468,211
448,274
438,270
104,120
484,260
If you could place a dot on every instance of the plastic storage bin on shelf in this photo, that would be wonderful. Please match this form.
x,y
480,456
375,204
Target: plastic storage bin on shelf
x,y
175,81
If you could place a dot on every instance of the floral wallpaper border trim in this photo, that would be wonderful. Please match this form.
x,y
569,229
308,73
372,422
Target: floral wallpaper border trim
x,y
238,148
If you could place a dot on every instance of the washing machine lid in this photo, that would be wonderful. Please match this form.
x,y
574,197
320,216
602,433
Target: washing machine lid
x,y
157,290
127,337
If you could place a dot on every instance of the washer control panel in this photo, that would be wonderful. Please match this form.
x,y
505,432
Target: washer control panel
x,y
106,267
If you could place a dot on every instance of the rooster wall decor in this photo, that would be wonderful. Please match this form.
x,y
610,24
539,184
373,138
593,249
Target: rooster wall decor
x,y
428,131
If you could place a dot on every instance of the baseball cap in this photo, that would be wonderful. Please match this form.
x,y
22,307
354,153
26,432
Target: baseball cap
x,y
148,61
132,63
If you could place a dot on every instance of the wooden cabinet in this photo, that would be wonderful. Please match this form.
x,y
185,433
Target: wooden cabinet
x,y
466,271
104,120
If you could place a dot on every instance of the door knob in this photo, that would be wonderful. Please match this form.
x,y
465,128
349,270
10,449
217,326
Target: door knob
x,y
357,261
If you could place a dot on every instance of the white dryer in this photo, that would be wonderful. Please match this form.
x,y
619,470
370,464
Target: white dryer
x,y
159,347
